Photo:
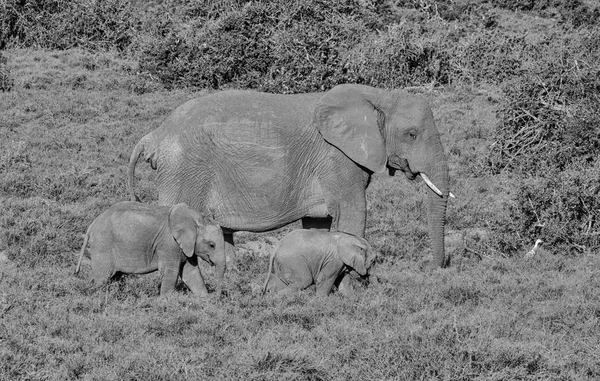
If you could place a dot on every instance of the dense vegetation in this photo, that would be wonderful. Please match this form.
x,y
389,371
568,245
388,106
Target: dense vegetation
x,y
515,88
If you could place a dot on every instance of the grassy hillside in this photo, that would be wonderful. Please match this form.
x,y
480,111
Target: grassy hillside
x,y
515,96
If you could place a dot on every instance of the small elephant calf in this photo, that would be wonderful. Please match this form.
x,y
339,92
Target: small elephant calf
x,y
136,238
307,257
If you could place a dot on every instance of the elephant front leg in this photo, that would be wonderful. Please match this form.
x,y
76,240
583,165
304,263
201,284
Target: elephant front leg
x,y
352,220
324,286
345,283
192,277
169,272
326,278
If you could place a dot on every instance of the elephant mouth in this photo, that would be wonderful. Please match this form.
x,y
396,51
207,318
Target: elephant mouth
x,y
395,162
206,258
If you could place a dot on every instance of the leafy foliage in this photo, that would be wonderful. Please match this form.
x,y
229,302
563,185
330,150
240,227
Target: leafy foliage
x,y
282,46
563,209
63,24
574,12
405,54
549,131
554,103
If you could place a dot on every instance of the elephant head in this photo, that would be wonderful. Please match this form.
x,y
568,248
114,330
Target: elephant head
x,y
195,237
379,129
353,251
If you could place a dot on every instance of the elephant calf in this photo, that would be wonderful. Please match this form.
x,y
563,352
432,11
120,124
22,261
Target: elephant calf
x,y
307,257
136,238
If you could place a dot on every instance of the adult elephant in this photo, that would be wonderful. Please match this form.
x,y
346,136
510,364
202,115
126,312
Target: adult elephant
x,y
258,161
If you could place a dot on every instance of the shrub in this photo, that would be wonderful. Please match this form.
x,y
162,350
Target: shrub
x,y
62,24
549,117
563,208
405,54
574,12
470,11
488,57
549,136
571,12
273,46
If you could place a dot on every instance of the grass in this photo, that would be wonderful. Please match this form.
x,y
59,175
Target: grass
x,y
66,131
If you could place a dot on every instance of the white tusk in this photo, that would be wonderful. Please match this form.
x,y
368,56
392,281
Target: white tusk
x,y
451,195
431,185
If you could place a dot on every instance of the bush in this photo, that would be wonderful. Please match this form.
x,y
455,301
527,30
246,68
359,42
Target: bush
x,y
287,46
570,12
273,46
549,117
563,208
488,57
63,24
574,12
405,54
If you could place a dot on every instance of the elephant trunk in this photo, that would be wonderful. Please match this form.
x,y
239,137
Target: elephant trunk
x,y
437,220
438,173
220,270
220,260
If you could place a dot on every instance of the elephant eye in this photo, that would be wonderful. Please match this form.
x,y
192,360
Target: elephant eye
x,y
411,134
211,245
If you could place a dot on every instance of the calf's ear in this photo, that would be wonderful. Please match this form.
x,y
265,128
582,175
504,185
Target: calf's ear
x,y
351,251
355,260
183,228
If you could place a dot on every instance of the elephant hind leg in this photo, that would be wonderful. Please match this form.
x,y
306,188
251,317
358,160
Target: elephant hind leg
x,y
297,280
104,273
275,284
283,286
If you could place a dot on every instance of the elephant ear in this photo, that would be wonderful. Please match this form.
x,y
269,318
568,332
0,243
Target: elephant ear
x,y
183,228
350,251
347,118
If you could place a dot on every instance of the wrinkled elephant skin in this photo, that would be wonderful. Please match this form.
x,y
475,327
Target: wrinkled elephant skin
x,y
258,161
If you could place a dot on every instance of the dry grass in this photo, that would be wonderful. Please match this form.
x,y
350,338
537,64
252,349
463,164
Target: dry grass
x,y
66,131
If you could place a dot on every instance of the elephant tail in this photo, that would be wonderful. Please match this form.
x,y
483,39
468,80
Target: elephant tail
x,y
140,148
85,243
271,260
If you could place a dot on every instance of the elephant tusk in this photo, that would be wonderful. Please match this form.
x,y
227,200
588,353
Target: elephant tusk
x,y
431,185
451,195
